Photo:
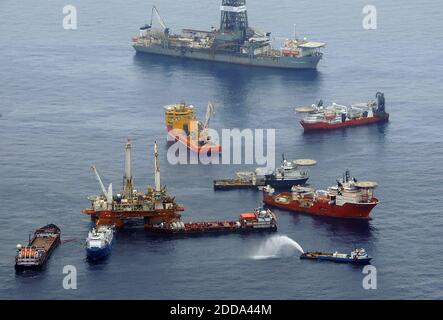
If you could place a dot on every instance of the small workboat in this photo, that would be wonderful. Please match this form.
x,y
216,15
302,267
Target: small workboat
x,y
99,242
357,256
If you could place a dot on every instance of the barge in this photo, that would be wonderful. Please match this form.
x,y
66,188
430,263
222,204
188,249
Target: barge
x,y
258,220
35,255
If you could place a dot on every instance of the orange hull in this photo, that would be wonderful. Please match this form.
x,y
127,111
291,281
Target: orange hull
x,y
117,218
323,208
194,145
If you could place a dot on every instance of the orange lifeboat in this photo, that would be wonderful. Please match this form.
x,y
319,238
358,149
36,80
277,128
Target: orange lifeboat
x,y
290,52
330,116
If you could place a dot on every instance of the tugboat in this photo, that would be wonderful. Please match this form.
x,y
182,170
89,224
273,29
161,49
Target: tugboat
x,y
348,199
258,220
283,177
357,256
99,242
183,126
39,249
338,116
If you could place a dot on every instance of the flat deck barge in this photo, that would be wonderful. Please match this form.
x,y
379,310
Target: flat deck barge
x,y
39,249
238,183
259,220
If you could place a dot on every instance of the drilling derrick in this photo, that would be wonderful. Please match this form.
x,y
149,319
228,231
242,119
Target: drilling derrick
x,y
127,178
234,17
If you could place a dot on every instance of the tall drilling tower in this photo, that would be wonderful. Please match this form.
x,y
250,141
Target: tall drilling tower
x,y
234,17
127,179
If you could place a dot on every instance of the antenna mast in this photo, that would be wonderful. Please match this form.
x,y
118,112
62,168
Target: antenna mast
x,y
234,17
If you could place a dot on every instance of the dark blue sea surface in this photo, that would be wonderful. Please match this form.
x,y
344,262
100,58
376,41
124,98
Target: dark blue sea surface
x,y
70,98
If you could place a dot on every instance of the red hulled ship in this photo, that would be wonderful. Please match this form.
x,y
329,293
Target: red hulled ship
x,y
348,199
338,116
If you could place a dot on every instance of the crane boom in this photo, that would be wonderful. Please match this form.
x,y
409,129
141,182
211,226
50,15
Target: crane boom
x,y
102,186
159,18
210,110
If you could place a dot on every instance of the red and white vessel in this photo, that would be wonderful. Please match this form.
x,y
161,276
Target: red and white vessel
x,y
348,199
336,116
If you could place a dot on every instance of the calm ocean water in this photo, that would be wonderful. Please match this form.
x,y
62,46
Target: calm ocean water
x,y
70,98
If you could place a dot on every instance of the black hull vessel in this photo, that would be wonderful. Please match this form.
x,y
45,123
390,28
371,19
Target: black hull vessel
x,y
35,255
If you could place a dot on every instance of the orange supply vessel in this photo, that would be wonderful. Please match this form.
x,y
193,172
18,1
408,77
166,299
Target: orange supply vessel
x,y
348,199
183,126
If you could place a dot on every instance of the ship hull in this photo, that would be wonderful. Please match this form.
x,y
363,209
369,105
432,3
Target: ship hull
x,y
348,210
233,186
95,254
308,62
207,231
330,257
318,126
285,184
192,145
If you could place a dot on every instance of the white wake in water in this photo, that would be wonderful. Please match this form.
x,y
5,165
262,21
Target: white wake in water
x,y
277,246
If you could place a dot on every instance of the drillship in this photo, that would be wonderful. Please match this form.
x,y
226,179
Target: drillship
x,y
234,42
153,206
